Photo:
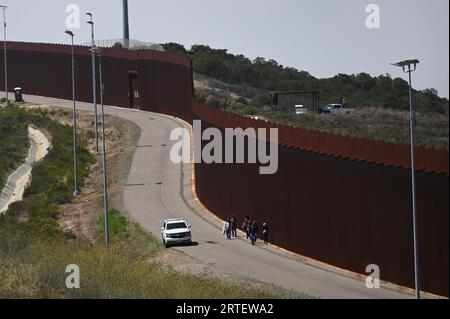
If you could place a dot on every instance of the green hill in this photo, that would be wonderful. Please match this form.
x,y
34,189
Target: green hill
x,y
359,90
14,143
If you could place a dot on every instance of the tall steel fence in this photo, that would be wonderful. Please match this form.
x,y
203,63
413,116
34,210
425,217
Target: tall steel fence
x,y
343,201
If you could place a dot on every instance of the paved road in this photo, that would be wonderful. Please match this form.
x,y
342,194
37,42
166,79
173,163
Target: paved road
x,y
158,189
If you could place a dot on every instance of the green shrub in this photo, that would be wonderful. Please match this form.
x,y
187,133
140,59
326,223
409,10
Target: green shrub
x,y
52,179
261,100
118,224
14,143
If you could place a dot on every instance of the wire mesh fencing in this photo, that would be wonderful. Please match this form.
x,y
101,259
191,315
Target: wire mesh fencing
x,y
130,44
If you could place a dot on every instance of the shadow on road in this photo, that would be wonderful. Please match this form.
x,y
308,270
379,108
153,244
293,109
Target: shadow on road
x,y
191,244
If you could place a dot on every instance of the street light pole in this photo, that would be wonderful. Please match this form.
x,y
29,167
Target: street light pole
x,y
410,66
94,86
75,164
4,48
126,27
97,51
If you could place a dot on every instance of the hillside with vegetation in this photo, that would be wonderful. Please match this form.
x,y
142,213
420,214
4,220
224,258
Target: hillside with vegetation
x,y
379,105
14,144
359,90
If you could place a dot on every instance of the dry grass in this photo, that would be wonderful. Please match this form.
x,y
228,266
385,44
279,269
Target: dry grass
x,y
373,123
37,270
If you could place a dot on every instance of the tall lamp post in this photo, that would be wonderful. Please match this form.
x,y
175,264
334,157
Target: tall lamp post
x,y
75,170
97,51
409,66
94,86
4,53
126,27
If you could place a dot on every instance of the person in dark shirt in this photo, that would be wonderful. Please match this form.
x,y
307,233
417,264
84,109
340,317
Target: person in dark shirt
x,y
254,232
233,225
245,226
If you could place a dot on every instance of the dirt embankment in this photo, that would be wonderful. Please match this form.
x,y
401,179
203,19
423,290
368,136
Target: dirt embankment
x,y
19,179
80,218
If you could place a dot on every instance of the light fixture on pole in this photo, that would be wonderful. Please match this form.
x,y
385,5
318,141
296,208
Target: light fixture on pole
x,y
4,53
75,164
94,86
97,51
409,66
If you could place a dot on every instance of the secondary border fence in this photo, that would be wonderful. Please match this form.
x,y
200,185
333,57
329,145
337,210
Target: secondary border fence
x,y
240,90
285,101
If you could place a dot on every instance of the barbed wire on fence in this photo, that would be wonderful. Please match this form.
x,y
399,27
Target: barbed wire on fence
x,y
240,90
132,44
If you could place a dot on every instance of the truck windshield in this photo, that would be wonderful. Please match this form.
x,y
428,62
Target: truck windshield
x,y
176,226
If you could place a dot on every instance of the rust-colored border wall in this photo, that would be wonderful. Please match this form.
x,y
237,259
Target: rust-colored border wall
x,y
165,81
342,212
166,88
49,74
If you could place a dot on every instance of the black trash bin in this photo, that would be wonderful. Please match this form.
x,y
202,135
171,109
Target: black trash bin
x,y
18,94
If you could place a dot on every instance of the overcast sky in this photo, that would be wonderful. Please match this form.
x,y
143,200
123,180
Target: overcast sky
x,y
322,37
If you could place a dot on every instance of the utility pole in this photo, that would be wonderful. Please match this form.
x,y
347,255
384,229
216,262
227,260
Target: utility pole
x,y
4,53
126,27
75,164
94,83
410,66
98,52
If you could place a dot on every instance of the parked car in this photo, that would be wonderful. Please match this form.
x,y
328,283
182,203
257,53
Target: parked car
x,y
300,109
176,231
333,108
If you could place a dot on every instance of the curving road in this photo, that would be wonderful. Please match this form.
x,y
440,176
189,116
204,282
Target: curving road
x,y
157,189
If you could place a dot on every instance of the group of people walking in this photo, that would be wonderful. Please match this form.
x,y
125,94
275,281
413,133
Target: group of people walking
x,y
249,226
